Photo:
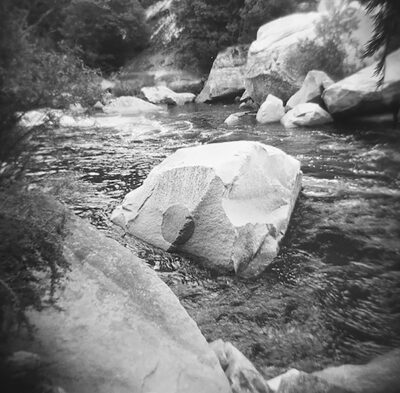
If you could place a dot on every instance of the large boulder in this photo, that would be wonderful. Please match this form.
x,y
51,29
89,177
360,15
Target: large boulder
x,y
306,115
268,69
273,65
228,204
359,93
130,106
116,326
242,375
314,85
164,95
271,110
226,79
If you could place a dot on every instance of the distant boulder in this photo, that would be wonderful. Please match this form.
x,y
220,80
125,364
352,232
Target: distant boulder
x,y
164,95
306,115
273,65
359,93
228,204
271,110
130,106
314,85
226,78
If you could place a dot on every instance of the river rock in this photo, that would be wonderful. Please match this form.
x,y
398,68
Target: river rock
x,y
164,95
237,118
268,71
358,94
271,110
312,88
295,381
226,79
306,115
130,106
227,204
116,327
241,374
381,375
271,65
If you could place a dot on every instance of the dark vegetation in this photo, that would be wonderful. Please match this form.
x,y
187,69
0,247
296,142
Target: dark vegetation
x,y
386,35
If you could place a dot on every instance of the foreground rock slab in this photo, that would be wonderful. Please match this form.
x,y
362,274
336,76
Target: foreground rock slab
x,y
306,115
228,204
359,94
164,95
226,77
117,327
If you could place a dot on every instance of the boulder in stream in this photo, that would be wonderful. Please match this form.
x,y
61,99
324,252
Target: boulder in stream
x,y
306,115
228,204
116,326
164,95
226,79
359,93
271,110
312,88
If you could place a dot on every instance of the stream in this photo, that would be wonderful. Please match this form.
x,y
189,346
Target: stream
x,y
332,295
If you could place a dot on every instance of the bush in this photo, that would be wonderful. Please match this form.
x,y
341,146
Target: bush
x,y
31,255
208,26
32,76
327,51
255,13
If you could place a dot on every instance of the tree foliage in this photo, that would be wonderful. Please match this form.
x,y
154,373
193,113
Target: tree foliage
x,y
211,25
105,32
386,36
327,51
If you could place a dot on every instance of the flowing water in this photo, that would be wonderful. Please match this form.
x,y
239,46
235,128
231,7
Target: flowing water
x,y
333,293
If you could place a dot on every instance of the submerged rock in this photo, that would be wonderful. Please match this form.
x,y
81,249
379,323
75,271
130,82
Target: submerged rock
x,y
271,110
231,201
116,326
237,118
130,106
306,115
241,374
226,77
164,95
314,85
359,93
